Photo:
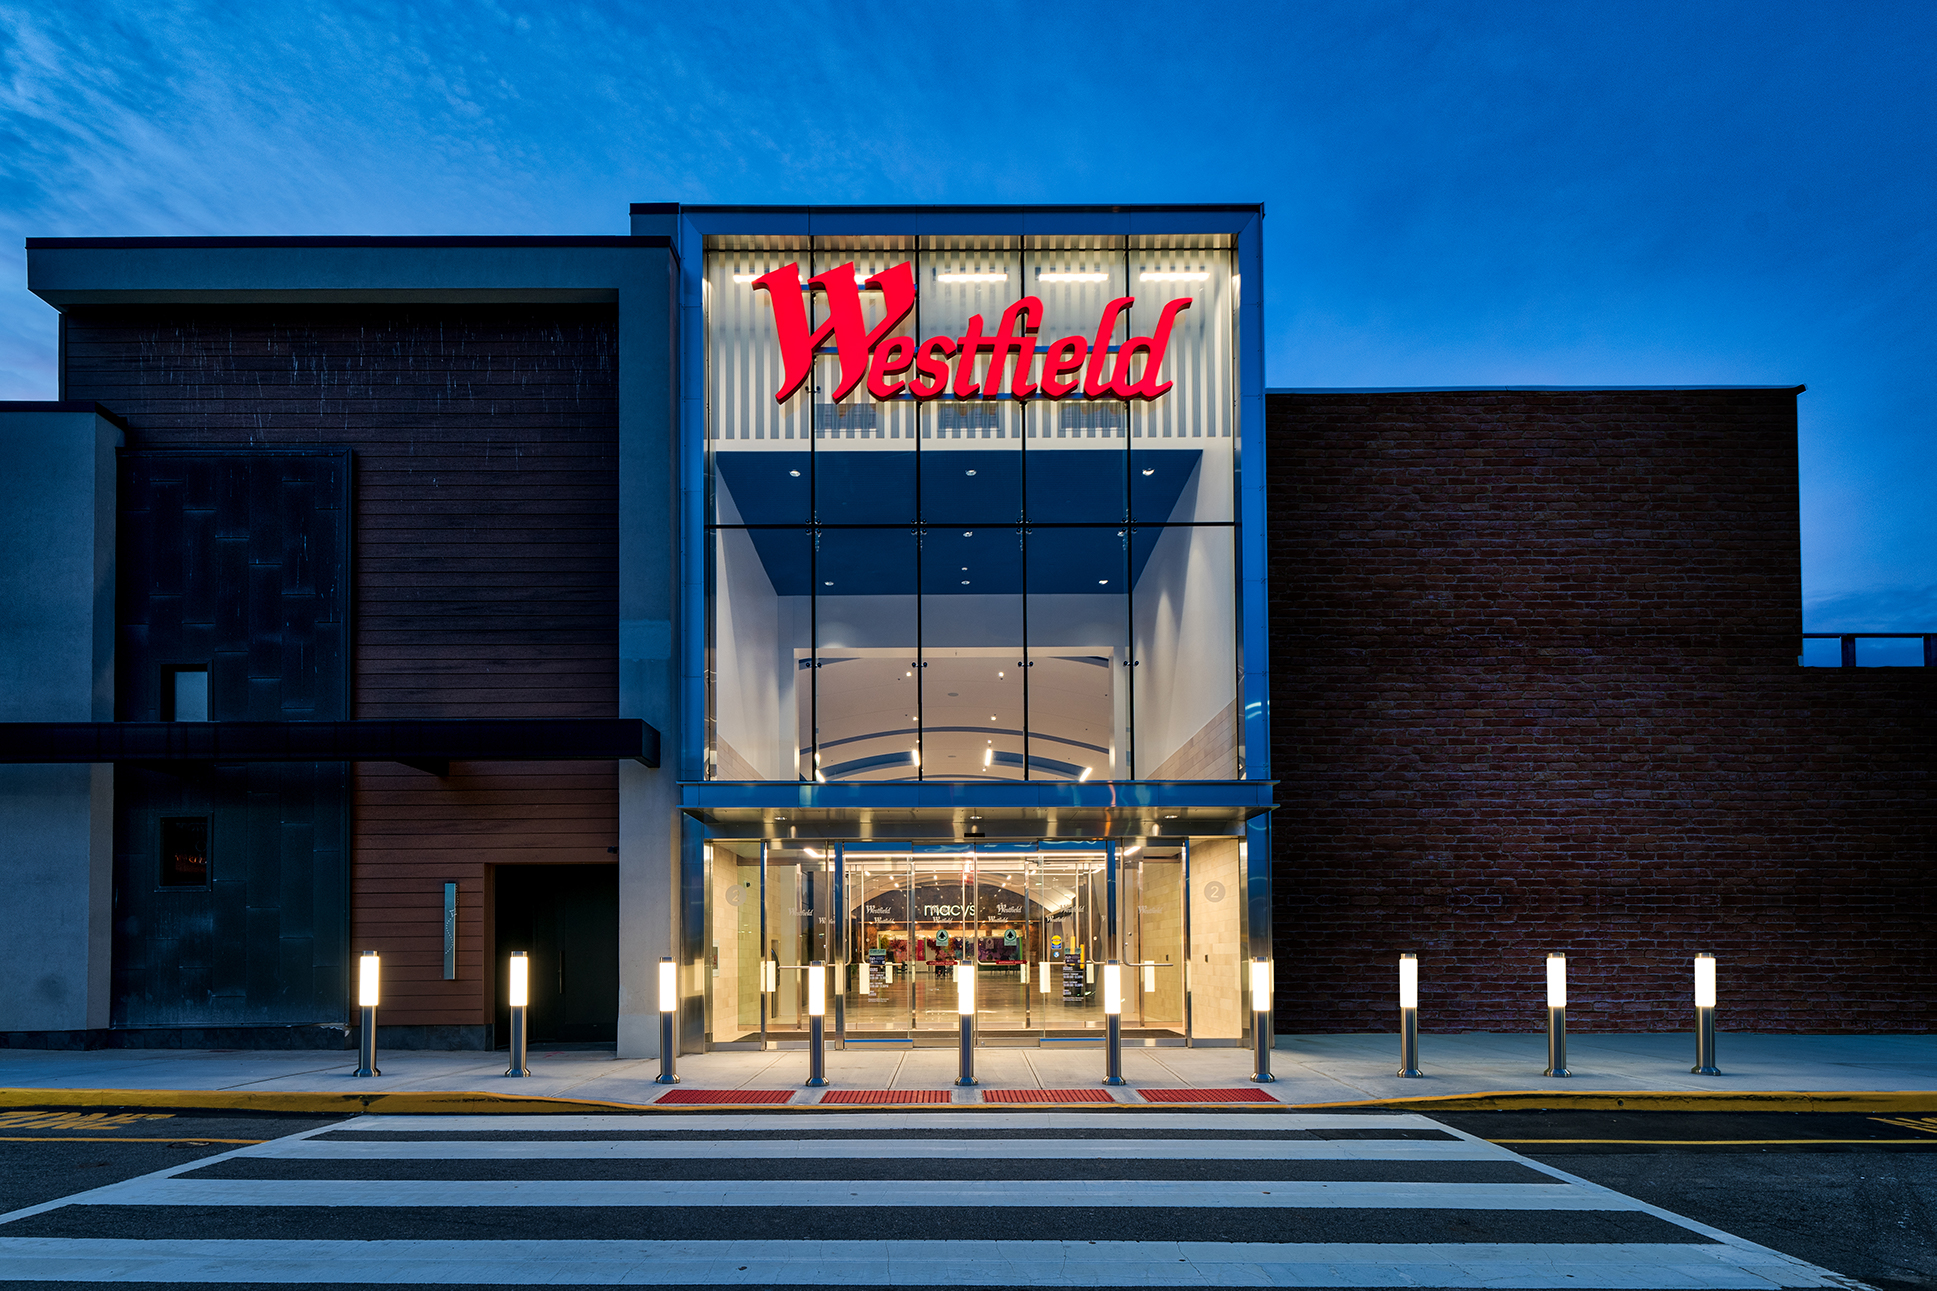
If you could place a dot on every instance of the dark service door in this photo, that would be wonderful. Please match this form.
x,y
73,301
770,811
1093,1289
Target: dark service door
x,y
566,918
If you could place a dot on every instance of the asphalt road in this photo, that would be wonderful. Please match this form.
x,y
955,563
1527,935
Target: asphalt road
x,y
1854,1194
88,1147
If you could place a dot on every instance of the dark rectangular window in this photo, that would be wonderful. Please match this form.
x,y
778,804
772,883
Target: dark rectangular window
x,y
185,693
184,851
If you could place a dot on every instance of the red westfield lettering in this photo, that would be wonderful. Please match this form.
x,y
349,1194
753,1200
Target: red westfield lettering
x,y
947,365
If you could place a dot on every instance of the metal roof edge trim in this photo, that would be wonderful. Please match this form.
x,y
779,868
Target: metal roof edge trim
x,y
1510,389
643,241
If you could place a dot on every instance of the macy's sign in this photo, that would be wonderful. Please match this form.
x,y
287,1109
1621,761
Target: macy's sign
x,y
946,365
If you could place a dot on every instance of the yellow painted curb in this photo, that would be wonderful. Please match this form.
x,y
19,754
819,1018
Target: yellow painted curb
x,y
451,1102
1857,1100
407,1103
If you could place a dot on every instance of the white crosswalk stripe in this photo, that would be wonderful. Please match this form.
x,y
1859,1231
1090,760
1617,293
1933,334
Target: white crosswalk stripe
x,y
981,1199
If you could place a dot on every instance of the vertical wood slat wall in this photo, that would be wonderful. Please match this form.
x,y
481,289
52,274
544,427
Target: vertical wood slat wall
x,y
485,558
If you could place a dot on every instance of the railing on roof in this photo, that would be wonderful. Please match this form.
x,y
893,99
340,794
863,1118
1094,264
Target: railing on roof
x,y
1890,650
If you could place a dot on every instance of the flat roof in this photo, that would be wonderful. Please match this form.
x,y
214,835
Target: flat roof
x,y
1501,389
1007,208
180,244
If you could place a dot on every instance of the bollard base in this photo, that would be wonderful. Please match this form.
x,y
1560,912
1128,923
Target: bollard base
x,y
668,1052
366,1042
519,1020
1704,1071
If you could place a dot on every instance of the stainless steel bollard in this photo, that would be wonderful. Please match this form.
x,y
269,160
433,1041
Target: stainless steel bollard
x,y
369,972
1261,1020
965,1012
1705,1017
1557,1016
1409,1015
668,1022
518,976
816,1025
1113,1023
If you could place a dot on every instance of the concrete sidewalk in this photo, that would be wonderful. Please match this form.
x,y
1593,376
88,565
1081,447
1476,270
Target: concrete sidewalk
x,y
1310,1069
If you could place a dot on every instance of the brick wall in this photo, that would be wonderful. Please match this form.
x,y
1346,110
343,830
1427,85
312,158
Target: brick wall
x,y
485,557
1535,688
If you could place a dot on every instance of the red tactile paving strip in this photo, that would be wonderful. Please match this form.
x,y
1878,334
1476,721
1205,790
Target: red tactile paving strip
x,y
885,1096
718,1096
1046,1096
1206,1096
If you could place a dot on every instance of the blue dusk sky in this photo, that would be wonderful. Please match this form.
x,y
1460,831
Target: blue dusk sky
x,y
1489,193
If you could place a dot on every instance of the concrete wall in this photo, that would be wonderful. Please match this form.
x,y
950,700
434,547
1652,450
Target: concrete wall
x,y
57,477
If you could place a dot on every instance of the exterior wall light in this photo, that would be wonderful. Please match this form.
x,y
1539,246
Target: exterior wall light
x,y
1261,1020
816,1024
668,1022
518,996
1113,1020
1705,1016
369,970
1409,1015
1557,1016
965,1018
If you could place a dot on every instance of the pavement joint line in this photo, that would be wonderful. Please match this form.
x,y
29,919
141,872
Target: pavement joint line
x,y
423,1102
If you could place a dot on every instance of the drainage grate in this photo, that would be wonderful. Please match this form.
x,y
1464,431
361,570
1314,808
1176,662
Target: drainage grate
x,y
1047,1096
690,1096
1206,1096
885,1096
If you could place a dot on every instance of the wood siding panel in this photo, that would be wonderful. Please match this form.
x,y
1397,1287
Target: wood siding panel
x,y
485,559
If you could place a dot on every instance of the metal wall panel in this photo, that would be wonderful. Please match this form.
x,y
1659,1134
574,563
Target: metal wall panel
x,y
237,562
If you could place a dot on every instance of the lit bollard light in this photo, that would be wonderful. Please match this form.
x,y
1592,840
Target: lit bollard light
x,y
519,997
1557,1016
1113,1020
368,971
1409,1015
965,1013
668,1022
1705,1016
1261,1020
816,1024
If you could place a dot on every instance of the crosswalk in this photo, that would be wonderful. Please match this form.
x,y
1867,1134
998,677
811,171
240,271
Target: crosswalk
x,y
807,1198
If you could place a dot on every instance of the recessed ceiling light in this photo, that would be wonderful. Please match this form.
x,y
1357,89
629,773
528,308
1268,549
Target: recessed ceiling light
x,y
1149,470
1101,582
795,474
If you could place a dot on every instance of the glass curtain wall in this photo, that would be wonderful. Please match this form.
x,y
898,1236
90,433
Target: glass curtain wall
x,y
986,587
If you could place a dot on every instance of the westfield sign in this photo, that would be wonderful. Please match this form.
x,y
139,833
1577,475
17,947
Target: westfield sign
x,y
945,366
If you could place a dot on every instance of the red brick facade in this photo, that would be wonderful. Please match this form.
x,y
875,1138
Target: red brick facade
x,y
1535,687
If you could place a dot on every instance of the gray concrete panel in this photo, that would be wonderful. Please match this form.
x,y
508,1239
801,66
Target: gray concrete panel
x,y
57,477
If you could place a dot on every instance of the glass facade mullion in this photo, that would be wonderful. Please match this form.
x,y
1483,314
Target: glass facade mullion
x,y
984,586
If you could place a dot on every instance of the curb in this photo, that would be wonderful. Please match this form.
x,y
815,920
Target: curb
x,y
464,1102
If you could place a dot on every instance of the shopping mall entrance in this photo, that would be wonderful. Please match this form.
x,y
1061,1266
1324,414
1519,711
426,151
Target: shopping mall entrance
x,y
1022,928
